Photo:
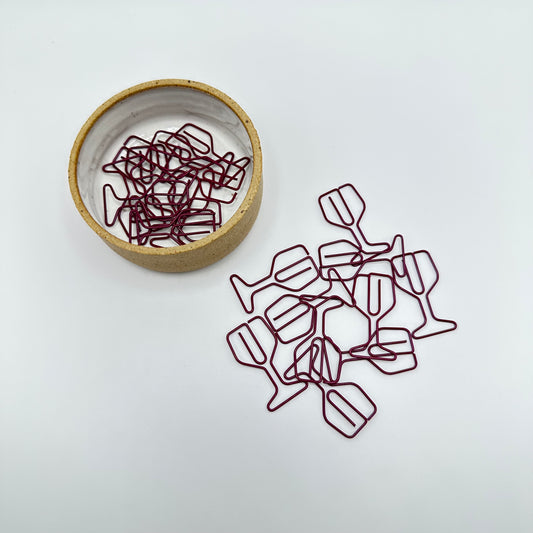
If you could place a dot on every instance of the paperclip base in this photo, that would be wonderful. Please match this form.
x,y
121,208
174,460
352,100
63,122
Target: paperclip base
x,y
135,108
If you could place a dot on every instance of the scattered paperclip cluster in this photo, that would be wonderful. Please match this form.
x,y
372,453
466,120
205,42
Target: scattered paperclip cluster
x,y
169,190
289,336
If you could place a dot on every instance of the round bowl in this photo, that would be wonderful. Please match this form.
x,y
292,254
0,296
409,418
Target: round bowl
x,y
141,111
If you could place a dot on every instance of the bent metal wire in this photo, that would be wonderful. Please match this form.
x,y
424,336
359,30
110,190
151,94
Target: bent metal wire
x,y
289,338
170,190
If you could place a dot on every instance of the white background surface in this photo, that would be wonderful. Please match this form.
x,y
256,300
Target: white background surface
x,y
121,408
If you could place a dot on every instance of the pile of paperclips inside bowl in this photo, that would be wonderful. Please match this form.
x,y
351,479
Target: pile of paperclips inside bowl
x,y
169,190
293,337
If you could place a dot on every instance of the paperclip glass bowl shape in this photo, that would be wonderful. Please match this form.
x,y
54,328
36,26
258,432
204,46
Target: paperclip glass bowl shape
x,y
142,110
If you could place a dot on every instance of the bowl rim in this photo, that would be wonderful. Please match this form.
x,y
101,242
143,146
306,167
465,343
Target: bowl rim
x,y
253,189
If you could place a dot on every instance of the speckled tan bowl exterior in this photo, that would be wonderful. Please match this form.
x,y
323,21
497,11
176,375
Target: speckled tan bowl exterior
x,y
197,254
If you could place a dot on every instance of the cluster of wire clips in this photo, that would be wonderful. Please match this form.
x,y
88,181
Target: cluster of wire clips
x,y
360,302
170,190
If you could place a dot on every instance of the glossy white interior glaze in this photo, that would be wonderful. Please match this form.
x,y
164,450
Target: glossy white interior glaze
x,y
144,113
